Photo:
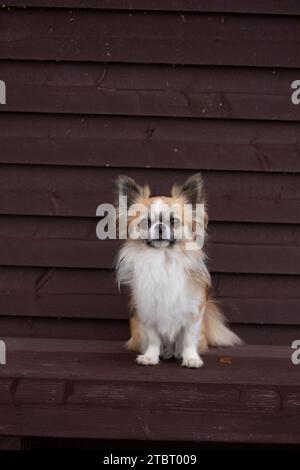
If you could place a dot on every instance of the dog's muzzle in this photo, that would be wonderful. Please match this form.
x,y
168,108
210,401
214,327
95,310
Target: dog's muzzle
x,y
160,235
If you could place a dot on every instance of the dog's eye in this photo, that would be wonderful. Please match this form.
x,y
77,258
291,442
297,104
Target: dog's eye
x,y
145,224
174,222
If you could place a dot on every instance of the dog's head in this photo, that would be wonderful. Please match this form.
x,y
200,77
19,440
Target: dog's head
x,y
164,221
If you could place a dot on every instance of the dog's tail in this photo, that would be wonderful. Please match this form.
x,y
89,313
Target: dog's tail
x,y
216,333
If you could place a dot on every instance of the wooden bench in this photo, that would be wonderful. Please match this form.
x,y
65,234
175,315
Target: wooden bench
x,y
107,89
94,389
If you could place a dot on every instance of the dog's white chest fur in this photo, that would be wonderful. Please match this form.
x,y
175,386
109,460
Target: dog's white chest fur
x,y
162,290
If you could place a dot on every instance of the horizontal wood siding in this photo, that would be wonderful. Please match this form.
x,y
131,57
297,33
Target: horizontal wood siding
x,y
143,37
114,141
155,90
150,90
274,7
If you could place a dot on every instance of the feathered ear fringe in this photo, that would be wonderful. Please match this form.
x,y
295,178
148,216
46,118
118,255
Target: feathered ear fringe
x,y
127,187
192,190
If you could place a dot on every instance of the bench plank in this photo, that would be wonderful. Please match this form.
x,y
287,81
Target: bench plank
x,y
94,389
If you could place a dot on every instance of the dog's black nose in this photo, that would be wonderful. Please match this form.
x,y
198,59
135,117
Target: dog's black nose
x,y
160,231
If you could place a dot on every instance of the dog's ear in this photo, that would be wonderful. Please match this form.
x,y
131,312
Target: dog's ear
x,y
192,190
126,186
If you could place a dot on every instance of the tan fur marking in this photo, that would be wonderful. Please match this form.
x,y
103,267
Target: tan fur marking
x,y
135,330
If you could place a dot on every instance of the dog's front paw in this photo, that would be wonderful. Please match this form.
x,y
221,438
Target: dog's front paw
x,y
192,362
147,360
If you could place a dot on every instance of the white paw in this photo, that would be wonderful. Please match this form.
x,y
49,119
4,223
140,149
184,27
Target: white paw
x,y
193,362
147,360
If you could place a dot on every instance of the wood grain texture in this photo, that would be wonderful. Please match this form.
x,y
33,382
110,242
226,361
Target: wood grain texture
x,y
92,294
150,90
22,352
71,242
117,330
252,310
82,140
82,422
115,36
87,328
218,393
238,196
158,91
289,7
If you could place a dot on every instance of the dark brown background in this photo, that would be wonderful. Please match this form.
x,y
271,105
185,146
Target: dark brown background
x,y
157,94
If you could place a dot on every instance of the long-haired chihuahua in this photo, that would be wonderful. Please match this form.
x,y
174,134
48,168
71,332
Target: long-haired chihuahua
x,y
164,264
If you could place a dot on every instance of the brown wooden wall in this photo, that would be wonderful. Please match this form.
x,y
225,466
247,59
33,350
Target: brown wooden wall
x,y
157,90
